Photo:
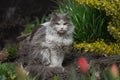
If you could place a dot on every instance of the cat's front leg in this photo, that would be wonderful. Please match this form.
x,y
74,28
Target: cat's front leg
x,y
56,59
45,57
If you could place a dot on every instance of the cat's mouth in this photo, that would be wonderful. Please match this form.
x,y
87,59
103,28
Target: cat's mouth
x,y
61,31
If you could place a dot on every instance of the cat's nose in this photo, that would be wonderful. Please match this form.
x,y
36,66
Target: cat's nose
x,y
61,28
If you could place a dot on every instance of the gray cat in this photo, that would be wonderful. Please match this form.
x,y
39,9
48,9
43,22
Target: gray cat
x,y
52,40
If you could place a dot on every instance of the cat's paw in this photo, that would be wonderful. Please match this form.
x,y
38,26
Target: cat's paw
x,y
63,69
46,62
51,66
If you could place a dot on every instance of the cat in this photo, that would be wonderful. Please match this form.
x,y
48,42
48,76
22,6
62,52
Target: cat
x,y
52,40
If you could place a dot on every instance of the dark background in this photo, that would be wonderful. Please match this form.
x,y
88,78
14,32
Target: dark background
x,y
27,7
14,12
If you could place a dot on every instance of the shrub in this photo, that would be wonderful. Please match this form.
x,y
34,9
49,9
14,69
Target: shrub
x,y
7,72
99,47
12,52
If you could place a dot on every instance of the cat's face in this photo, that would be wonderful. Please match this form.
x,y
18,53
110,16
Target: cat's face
x,y
61,23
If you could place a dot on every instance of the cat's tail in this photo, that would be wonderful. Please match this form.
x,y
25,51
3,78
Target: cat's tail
x,y
43,72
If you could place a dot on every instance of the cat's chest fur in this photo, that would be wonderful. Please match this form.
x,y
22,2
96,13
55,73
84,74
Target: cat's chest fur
x,y
59,40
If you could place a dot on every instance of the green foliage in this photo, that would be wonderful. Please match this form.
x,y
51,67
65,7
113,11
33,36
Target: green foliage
x,y
73,75
93,22
28,28
7,72
35,77
93,77
12,50
105,74
39,21
31,25
90,23
29,78
56,77
112,9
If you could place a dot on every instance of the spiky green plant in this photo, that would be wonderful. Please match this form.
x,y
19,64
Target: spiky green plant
x,y
73,74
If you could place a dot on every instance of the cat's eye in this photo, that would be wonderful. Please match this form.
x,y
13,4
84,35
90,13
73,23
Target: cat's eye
x,y
57,23
65,23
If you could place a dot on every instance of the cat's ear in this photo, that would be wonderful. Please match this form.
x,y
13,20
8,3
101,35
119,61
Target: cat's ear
x,y
54,16
67,16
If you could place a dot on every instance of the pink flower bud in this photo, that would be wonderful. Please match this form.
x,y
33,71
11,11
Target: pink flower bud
x,y
114,70
84,66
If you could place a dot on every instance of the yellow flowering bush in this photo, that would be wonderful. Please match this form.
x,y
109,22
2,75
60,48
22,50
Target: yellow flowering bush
x,y
114,31
100,47
112,9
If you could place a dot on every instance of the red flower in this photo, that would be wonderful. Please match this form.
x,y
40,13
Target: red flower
x,y
84,66
114,70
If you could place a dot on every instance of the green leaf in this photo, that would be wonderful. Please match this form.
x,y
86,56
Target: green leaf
x,y
73,75
56,77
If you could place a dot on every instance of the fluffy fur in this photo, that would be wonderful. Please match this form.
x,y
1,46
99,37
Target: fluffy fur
x,y
58,38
